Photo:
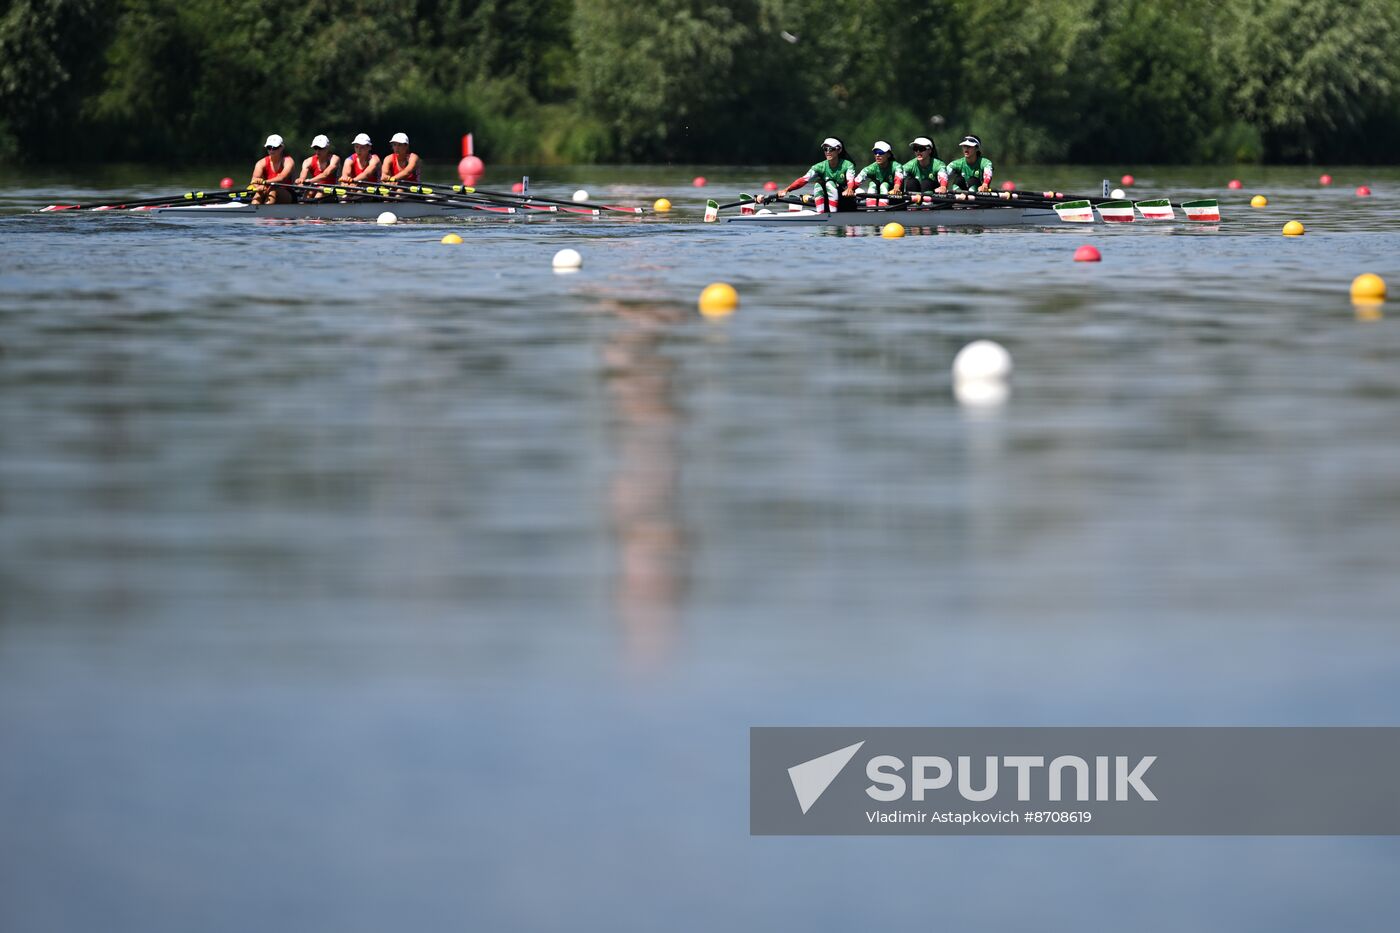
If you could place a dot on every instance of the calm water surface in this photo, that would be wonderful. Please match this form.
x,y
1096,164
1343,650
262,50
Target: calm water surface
x,y
353,581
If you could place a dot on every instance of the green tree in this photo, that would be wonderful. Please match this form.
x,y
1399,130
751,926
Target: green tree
x,y
659,75
48,50
1310,74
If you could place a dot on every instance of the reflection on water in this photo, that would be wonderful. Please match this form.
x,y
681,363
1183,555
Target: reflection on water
x,y
644,486
355,579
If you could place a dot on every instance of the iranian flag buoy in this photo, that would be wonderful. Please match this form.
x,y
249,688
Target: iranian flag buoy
x,y
1159,209
1076,212
1117,212
1205,211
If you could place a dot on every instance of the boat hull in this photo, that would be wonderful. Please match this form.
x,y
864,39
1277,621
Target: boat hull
x,y
937,217
365,210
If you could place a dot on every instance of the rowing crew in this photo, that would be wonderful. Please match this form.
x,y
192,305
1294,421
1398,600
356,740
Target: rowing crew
x,y
836,176
323,167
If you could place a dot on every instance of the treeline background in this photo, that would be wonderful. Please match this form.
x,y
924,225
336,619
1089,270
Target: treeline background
x,y
678,80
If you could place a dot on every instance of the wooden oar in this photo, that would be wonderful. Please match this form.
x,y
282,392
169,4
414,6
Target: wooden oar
x,y
616,208
144,202
428,196
515,203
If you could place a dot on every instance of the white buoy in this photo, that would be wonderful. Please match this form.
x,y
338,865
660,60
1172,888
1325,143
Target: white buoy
x,y
567,260
982,360
580,195
388,217
1117,194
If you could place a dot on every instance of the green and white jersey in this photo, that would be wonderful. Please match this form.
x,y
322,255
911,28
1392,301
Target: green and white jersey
x,y
879,175
936,174
970,175
840,176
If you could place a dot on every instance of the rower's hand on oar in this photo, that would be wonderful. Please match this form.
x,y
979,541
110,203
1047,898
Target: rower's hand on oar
x,y
984,187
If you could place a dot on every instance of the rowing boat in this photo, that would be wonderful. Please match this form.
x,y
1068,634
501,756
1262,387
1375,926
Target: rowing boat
x,y
939,217
355,210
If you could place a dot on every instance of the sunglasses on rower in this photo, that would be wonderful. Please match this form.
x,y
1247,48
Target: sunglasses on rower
x,y
921,148
831,148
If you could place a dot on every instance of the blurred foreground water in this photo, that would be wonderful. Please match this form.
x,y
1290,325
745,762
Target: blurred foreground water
x,y
355,581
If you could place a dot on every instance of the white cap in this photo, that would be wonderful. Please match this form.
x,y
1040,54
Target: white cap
x,y
273,142
400,138
922,141
880,146
362,140
831,141
321,142
970,140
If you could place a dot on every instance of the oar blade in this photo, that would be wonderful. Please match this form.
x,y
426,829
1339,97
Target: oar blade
x,y
1156,209
1076,212
746,203
711,211
1117,212
1206,210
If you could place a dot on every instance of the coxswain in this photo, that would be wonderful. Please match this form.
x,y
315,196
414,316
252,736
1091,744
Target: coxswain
x,y
273,169
322,167
832,175
363,165
973,172
881,176
400,165
926,173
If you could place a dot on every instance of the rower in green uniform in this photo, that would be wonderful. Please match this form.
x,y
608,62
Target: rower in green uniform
x,y
973,172
881,176
926,173
832,176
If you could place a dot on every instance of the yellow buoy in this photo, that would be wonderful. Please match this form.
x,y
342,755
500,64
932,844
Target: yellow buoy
x,y
452,238
1258,201
661,206
718,300
892,230
1368,286
1293,228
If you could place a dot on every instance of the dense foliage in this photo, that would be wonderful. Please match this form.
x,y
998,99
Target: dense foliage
x,y
686,80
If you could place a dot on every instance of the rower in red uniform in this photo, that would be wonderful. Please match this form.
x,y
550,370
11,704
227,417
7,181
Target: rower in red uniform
x,y
363,165
275,167
401,165
321,168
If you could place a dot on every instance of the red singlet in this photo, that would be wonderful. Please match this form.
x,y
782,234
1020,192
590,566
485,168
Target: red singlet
x,y
356,167
411,177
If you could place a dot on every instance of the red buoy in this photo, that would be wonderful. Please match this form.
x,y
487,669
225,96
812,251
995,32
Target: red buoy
x,y
1127,181
517,187
699,181
1325,180
770,186
1008,186
1363,192
1235,184
1087,253
226,182
470,169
